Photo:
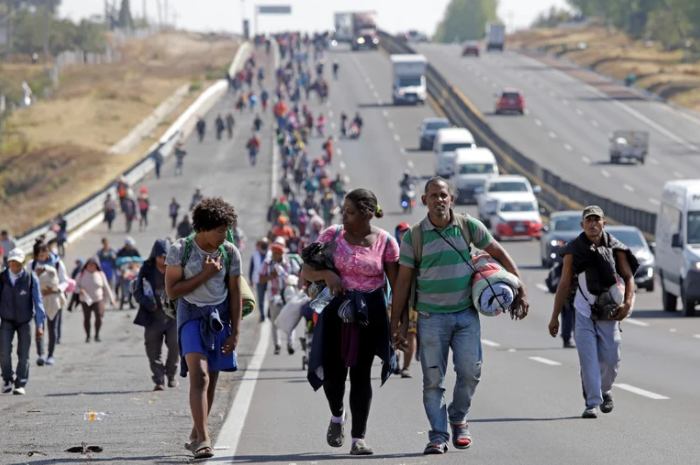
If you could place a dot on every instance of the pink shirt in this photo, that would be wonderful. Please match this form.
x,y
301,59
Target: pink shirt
x,y
362,268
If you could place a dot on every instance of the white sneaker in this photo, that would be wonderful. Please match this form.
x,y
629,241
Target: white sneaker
x,y
7,387
50,361
19,391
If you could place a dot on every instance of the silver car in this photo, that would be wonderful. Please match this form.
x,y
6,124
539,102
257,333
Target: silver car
x,y
428,129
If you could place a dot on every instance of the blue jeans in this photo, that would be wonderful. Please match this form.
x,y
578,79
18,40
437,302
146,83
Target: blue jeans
x,y
262,288
460,331
24,340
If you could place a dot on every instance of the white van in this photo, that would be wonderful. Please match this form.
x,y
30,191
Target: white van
x,y
473,167
678,245
448,140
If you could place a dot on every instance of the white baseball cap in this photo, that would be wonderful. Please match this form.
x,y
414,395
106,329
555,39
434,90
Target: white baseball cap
x,y
16,255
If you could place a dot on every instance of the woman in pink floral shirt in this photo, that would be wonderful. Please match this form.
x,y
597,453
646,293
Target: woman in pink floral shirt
x,y
354,327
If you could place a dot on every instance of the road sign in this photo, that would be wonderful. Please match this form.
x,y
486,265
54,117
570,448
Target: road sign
x,y
274,9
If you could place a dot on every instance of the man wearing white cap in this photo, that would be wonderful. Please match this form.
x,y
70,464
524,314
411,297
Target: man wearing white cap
x,y
20,302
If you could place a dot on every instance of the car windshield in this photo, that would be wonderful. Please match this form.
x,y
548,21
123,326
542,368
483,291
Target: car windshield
x,y
565,223
510,95
514,186
453,147
477,168
631,238
518,207
435,125
694,227
410,81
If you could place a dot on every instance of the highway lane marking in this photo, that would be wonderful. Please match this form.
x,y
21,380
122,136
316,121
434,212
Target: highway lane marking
x,y
494,85
486,342
565,102
385,113
332,124
486,79
605,173
232,428
696,336
410,164
330,113
342,165
636,322
579,112
546,361
678,175
339,152
640,392
396,137
376,94
595,123
402,151
654,161
542,287
538,122
552,135
553,94
568,147
527,111
328,104
586,160
380,102
628,187
391,125
672,330
654,201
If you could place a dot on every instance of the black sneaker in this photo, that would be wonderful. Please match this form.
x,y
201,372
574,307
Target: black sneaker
x,y
608,404
590,412
435,449
336,434
290,349
277,350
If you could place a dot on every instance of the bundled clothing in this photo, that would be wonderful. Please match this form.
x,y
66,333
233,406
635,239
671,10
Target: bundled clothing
x,y
53,303
494,288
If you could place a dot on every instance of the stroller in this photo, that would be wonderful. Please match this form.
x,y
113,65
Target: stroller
x,y
128,269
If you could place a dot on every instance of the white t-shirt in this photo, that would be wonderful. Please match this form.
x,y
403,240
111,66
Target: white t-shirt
x,y
580,304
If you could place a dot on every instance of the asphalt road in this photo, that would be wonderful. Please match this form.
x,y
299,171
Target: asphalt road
x,y
526,411
571,113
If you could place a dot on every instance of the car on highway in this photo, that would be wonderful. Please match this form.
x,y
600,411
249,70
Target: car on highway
x,y
470,49
561,228
495,188
428,129
447,141
473,168
517,215
510,101
633,238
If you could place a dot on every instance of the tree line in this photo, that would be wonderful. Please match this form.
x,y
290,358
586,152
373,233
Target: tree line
x,y
466,20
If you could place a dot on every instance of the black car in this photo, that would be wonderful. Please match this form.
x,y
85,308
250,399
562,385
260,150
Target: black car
x,y
633,238
562,227
428,129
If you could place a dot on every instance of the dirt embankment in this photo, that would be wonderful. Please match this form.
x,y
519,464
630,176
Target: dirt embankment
x,y
670,74
54,153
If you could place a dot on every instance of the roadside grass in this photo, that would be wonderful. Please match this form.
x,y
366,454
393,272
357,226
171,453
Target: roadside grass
x,y
54,153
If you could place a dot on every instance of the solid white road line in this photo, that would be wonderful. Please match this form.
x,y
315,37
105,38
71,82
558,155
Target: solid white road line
x,y
632,321
546,361
640,392
542,287
486,342
232,428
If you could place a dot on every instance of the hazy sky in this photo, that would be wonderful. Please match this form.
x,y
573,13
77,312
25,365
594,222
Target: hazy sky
x,y
393,15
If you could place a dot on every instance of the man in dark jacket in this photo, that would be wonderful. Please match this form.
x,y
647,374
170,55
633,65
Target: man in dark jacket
x,y
20,302
149,286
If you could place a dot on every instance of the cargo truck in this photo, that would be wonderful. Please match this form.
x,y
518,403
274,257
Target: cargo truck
x,y
495,36
409,79
364,31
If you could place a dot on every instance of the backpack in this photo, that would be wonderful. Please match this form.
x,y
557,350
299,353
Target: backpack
x,y
416,232
169,305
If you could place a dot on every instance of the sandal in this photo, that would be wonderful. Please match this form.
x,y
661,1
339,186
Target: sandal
x,y
191,446
435,449
204,450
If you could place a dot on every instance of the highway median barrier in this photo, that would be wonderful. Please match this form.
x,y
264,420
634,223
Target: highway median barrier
x,y
557,194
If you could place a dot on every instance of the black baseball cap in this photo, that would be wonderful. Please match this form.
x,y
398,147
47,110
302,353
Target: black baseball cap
x,y
593,210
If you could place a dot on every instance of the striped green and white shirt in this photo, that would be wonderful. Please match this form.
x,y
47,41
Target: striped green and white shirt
x,y
444,279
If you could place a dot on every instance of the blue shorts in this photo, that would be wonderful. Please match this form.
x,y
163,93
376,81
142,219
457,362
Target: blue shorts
x,y
191,342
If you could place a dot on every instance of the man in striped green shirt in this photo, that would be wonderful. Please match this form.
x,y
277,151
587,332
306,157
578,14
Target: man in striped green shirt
x,y
446,317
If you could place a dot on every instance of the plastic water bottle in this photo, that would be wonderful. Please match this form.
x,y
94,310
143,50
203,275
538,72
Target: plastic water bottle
x,y
94,416
147,288
323,299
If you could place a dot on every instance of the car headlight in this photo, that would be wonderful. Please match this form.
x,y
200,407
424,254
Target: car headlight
x,y
556,243
361,40
375,40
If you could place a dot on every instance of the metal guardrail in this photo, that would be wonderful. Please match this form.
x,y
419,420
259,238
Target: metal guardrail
x,y
557,194
89,208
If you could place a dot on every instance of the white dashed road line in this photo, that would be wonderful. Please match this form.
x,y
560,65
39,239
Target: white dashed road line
x,y
632,321
385,113
486,342
396,137
595,123
552,134
546,361
410,164
696,336
654,161
402,151
654,201
339,152
640,392
586,160
678,175
605,173
538,122
579,112
628,187
342,165
391,125
568,147
541,287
